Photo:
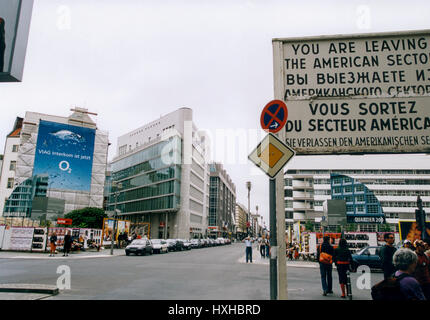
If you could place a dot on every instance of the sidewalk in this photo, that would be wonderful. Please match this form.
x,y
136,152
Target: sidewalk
x,y
257,259
73,255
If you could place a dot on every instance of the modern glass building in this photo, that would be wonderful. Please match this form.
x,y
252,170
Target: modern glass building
x,y
148,182
160,176
19,204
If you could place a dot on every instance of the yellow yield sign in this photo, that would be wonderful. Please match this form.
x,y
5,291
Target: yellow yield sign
x,y
271,155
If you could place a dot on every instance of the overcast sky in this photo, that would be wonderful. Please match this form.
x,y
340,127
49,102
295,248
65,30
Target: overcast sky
x,y
131,61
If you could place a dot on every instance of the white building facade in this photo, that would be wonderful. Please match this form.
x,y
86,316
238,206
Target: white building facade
x,y
164,177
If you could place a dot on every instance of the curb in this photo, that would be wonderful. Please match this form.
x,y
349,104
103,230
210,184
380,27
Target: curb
x,y
29,288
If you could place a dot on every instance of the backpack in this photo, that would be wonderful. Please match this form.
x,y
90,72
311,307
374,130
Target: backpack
x,y
389,289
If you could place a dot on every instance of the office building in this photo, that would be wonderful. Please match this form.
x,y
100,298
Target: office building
x,y
161,177
222,201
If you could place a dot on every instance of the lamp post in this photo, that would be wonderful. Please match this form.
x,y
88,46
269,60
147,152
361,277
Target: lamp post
x,y
117,186
248,186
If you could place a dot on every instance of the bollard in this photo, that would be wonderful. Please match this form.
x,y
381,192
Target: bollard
x,y
348,285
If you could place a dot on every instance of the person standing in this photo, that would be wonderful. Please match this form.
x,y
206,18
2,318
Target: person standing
x,y
342,259
53,243
325,254
405,261
248,252
422,271
67,244
262,248
386,254
267,245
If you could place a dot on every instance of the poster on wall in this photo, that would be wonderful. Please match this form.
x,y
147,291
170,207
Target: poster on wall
x,y
21,238
409,230
65,153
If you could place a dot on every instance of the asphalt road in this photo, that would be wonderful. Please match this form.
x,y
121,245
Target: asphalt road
x,y
217,273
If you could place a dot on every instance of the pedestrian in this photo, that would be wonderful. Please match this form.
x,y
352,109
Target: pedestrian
x,y
267,245
407,244
53,243
422,271
342,259
67,244
386,254
262,248
427,247
248,250
325,254
405,261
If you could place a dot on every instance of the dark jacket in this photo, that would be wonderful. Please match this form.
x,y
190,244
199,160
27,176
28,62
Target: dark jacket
x,y
342,254
53,239
325,247
386,255
68,241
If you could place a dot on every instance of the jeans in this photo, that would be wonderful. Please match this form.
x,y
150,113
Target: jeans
x,y
326,277
248,254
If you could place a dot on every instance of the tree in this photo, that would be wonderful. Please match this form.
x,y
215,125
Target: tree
x,y
87,217
309,226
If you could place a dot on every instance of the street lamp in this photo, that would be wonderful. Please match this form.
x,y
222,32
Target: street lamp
x,y
248,186
118,186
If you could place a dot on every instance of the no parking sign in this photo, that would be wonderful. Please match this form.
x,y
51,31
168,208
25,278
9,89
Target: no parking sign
x,y
274,116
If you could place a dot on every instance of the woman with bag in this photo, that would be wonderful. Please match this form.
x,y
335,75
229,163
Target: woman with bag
x,y
342,259
325,254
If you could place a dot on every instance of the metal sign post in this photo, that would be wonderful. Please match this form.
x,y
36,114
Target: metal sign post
x,y
273,242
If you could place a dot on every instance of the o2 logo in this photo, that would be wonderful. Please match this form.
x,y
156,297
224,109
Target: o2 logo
x,y
65,166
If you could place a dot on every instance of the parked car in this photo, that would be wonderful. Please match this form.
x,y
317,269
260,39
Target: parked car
x,y
195,243
221,241
368,256
159,246
139,246
175,245
187,244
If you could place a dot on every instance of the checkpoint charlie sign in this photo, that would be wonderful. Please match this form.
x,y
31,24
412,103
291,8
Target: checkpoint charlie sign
x,y
367,93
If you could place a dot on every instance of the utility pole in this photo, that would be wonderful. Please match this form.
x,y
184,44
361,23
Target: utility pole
x,y
248,186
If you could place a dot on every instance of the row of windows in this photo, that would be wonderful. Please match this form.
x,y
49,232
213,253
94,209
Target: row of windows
x,y
153,177
148,191
169,149
161,203
398,204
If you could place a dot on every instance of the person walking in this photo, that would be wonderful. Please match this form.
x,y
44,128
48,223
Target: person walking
x,y
267,245
248,251
325,254
405,261
67,244
262,248
342,259
53,243
386,254
422,271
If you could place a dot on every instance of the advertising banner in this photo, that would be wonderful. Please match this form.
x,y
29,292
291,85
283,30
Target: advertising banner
x,y
409,230
65,153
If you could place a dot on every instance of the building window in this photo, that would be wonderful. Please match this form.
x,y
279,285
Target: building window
x,y
10,183
12,166
15,148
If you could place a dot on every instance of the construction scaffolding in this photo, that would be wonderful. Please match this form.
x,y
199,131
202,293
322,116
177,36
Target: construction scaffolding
x,y
74,199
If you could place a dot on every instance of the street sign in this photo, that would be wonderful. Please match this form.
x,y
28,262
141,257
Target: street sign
x,y
64,221
274,116
358,93
271,155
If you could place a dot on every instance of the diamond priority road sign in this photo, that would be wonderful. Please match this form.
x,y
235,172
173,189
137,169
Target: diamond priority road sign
x,y
271,155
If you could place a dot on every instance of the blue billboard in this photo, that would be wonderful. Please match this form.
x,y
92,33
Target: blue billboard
x,y
65,153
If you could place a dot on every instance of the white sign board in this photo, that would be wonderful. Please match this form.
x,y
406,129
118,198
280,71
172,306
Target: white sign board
x,y
365,93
